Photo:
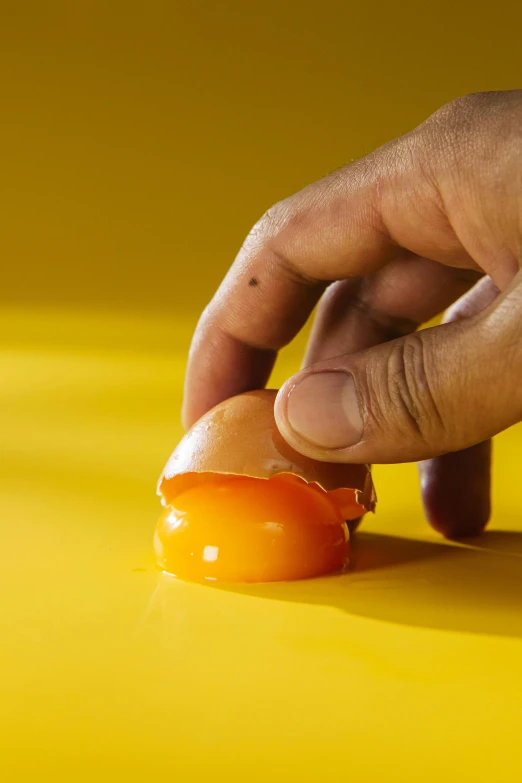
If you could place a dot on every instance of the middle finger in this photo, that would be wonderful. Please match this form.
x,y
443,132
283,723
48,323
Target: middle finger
x,y
360,313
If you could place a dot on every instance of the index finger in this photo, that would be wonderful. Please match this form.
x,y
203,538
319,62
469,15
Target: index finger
x,y
346,225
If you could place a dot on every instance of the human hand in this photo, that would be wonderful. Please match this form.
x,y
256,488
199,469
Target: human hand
x,y
385,244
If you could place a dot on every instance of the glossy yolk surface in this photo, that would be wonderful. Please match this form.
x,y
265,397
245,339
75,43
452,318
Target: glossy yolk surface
x,y
239,529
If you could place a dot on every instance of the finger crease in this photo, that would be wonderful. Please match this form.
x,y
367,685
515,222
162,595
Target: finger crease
x,y
391,328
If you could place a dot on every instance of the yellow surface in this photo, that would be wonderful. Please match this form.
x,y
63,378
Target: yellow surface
x,y
139,142
405,669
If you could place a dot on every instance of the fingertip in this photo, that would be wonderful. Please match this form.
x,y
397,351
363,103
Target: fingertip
x,y
193,407
319,410
455,520
456,491
189,412
281,412
186,421
310,411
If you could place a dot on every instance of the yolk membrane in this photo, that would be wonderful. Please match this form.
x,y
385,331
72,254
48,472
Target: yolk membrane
x,y
240,529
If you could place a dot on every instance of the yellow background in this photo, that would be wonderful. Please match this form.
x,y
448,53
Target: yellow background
x,y
138,143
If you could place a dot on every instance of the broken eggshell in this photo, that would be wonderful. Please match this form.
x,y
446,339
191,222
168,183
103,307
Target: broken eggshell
x,y
239,437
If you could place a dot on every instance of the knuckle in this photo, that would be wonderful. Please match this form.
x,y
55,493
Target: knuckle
x,y
413,405
466,103
461,126
463,108
268,225
270,241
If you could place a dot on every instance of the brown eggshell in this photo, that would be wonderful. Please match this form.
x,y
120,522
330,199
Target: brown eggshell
x,y
240,437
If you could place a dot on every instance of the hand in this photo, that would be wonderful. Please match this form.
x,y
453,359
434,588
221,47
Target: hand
x,y
404,234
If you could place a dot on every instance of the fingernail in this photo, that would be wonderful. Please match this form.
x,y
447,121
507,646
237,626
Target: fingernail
x,y
323,409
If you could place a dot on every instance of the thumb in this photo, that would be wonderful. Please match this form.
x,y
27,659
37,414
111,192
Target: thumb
x,y
439,390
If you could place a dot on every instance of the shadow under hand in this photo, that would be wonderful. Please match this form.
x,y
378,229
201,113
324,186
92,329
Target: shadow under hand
x,y
475,588
506,542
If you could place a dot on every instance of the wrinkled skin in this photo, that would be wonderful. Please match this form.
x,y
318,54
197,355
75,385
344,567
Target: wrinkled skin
x,y
430,222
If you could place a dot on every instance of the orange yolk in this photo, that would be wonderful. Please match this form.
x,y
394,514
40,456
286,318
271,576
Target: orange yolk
x,y
239,529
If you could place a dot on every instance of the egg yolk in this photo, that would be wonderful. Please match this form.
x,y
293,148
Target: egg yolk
x,y
239,529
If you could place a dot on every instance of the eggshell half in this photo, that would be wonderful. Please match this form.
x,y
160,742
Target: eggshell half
x,y
240,437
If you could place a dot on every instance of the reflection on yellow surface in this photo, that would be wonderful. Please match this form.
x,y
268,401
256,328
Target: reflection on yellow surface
x,y
405,669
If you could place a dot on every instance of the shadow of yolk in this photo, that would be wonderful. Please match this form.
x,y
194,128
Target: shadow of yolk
x,y
240,529
473,587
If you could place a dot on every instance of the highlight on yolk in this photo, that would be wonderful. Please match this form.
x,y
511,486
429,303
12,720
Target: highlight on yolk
x,y
241,529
